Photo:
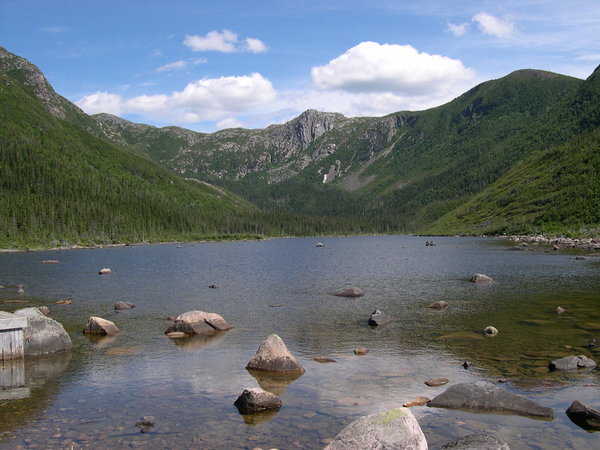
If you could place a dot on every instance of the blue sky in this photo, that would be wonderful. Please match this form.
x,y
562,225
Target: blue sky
x,y
207,65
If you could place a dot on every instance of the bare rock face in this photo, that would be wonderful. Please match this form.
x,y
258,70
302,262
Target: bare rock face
x,y
350,292
572,363
256,399
487,397
480,278
99,326
273,356
216,321
42,334
395,429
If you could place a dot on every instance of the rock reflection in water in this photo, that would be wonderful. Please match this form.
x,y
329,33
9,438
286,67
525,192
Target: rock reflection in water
x,y
273,382
198,341
257,418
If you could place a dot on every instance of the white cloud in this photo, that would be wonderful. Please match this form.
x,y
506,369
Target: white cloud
x,y
225,41
177,65
255,45
208,99
229,122
401,70
458,29
494,26
101,102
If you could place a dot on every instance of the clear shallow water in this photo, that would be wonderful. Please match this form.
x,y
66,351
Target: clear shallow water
x,y
94,396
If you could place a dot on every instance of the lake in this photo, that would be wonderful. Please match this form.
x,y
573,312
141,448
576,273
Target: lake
x,y
94,395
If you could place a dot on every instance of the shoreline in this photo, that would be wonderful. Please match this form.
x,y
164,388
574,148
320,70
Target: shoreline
x,y
558,243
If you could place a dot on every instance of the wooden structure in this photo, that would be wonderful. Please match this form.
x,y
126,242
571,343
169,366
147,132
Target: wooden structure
x,y
11,336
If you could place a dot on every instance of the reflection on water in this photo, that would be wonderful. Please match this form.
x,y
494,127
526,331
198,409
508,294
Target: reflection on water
x,y
189,385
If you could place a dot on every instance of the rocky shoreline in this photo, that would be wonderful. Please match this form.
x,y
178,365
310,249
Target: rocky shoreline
x,y
559,243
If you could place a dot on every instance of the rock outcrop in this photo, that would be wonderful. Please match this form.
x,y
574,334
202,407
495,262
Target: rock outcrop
x,y
42,335
273,356
395,429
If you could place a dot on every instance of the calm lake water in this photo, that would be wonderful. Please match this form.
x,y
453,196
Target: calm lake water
x,y
94,395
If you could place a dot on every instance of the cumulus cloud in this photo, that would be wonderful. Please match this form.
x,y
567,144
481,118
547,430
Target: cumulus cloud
x,y
225,41
458,29
401,70
229,122
208,99
494,26
101,102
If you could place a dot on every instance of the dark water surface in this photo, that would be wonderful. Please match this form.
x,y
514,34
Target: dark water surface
x,y
93,396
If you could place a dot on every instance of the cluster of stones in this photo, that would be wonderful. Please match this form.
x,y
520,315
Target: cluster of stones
x,y
560,243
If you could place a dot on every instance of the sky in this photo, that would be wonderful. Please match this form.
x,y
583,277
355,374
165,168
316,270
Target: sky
x,y
208,65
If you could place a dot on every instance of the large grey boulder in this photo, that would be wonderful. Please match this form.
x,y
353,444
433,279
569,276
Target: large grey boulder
x,y
480,441
395,429
100,326
190,329
572,363
583,415
256,399
42,334
487,397
273,356
216,321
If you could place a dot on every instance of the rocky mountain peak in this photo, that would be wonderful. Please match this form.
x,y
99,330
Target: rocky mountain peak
x,y
311,124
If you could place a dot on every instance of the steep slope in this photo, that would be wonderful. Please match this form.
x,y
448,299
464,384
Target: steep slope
x,y
59,184
553,191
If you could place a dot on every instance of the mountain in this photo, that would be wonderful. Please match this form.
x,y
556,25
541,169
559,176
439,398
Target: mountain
x,y
62,185
401,172
556,190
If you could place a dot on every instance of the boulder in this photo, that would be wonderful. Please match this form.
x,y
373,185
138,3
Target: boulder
x,y
216,321
42,334
584,416
560,309
434,382
480,441
119,306
100,326
190,329
490,331
487,397
323,359
104,271
350,292
256,399
417,401
441,304
379,318
273,356
361,351
481,278
395,429
571,363
44,310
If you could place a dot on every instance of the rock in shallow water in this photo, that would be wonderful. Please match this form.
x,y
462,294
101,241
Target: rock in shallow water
x,y
379,319
395,429
480,441
486,397
584,416
273,356
480,278
572,363
256,399
350,292
100,326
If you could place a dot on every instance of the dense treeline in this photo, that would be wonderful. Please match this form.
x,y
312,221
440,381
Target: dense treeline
x,y
59,185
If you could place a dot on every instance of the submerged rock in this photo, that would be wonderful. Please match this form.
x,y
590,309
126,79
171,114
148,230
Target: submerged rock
x,y
480,278
441,304
379,318
572,362
145,423
273,356
395,429
434,382
100,326
480,441
486,397
42,334
256,399
584,416
350,292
